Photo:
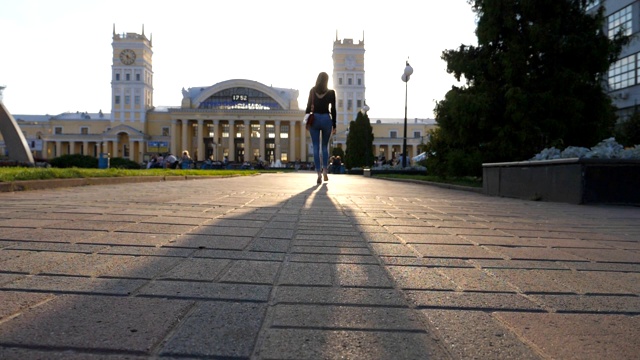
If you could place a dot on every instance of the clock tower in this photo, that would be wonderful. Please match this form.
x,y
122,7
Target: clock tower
x,y
348,80
131,79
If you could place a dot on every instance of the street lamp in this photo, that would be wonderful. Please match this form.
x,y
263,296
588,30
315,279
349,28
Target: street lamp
x,y
408,70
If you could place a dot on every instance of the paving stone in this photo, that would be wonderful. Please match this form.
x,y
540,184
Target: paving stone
x,y
157,228
88,225
573,336
471,301
26,223
33,262
592,266
323,237
77,285
327,258
128,239
532,281
476,335
502,241
57,247
225,231
9,353
434,239
269,245
196,269
206,291
520,264
428,262
148,251
424,229
535,253
339,296
456,251
357,275
606,255
52,235
310,274
354,244
469,279
277,233
335,344
413,277
583,282
590,303
17,301
252,272
8,278
174,220
346,318
325,250
393,250
98,323
240,255
380,237
141,267
89,265
217,329
211,242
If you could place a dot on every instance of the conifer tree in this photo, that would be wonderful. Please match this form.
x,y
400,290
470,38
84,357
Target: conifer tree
x,y
359,152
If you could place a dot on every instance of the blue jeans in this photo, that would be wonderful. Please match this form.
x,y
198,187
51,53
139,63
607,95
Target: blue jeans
x,y
321,124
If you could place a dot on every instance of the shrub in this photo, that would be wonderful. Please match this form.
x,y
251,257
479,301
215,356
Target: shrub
x,y
76,160
122,163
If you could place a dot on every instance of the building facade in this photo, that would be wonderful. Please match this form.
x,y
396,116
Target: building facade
x,y
623,78
240,120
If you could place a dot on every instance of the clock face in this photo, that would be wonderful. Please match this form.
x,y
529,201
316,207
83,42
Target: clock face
x,y
127,56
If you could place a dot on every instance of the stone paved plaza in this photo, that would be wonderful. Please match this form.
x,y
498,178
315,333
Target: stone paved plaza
x,y
275,267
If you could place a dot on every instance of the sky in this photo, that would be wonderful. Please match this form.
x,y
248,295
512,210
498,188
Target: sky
x,y
56,56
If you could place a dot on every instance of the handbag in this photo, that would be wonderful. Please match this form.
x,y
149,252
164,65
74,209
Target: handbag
x,y
310,118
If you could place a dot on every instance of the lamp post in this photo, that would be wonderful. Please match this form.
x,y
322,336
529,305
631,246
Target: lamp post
x,y
408,70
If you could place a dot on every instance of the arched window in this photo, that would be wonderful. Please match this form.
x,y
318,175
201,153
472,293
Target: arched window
x,y
240,98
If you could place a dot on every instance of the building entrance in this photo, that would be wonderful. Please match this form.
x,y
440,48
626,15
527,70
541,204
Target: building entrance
x,y
239,147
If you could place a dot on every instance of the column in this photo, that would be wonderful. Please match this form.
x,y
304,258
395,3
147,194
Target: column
x,y
115,148
58,149
173,146
132,149
248,154
277,140
45,153
71,147
185,131
232,137
217,136
292,142
303,142
262,140
200,141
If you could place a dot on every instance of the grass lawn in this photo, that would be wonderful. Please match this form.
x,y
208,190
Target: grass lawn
x,y
462,181
8,174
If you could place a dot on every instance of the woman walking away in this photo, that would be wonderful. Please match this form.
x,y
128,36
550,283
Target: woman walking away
x,y
322,103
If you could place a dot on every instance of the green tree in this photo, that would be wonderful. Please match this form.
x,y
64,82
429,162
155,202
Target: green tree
x,y
628,130
534,80
359,143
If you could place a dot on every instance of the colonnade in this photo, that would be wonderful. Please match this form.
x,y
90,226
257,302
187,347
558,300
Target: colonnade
x,y
184,130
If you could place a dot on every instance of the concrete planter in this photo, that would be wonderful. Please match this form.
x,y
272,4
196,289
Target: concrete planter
x,y
575,181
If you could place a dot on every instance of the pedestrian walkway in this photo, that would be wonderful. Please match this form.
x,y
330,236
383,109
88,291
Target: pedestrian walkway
x,y
275,267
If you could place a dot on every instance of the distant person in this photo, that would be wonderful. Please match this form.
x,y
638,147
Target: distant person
x,y
337,165
171,161
322,102
185,159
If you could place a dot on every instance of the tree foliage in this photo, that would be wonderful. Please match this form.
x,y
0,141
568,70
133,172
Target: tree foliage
x,y
628,130
534,80
359,152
